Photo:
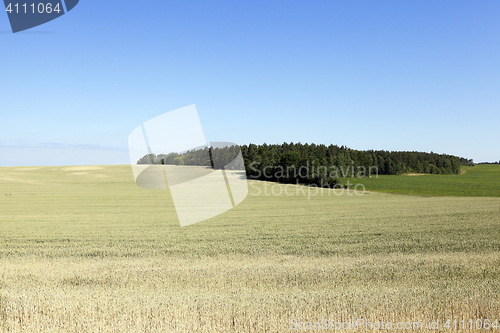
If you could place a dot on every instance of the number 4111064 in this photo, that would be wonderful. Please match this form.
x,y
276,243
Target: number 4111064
x,y
40,9
485,324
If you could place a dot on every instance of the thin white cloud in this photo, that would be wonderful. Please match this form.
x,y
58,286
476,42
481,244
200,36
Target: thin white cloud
x,y
59,154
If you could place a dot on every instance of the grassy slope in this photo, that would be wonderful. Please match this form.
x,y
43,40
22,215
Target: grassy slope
x,y
477,181
87,250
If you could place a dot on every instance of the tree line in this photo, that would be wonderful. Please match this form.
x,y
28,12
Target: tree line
x,y
313,164
215,157
490,162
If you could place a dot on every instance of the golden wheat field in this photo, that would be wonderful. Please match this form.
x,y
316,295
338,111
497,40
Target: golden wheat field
x,y
83,249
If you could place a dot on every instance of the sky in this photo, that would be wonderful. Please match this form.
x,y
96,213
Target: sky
x,y
383,75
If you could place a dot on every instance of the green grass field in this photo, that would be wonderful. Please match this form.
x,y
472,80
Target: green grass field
x,y
479,181
83,249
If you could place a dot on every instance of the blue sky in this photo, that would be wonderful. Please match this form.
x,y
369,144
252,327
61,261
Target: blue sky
x,y
392,75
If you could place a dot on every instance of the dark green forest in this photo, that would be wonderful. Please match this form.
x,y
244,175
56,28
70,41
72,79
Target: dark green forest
x,y
320,165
